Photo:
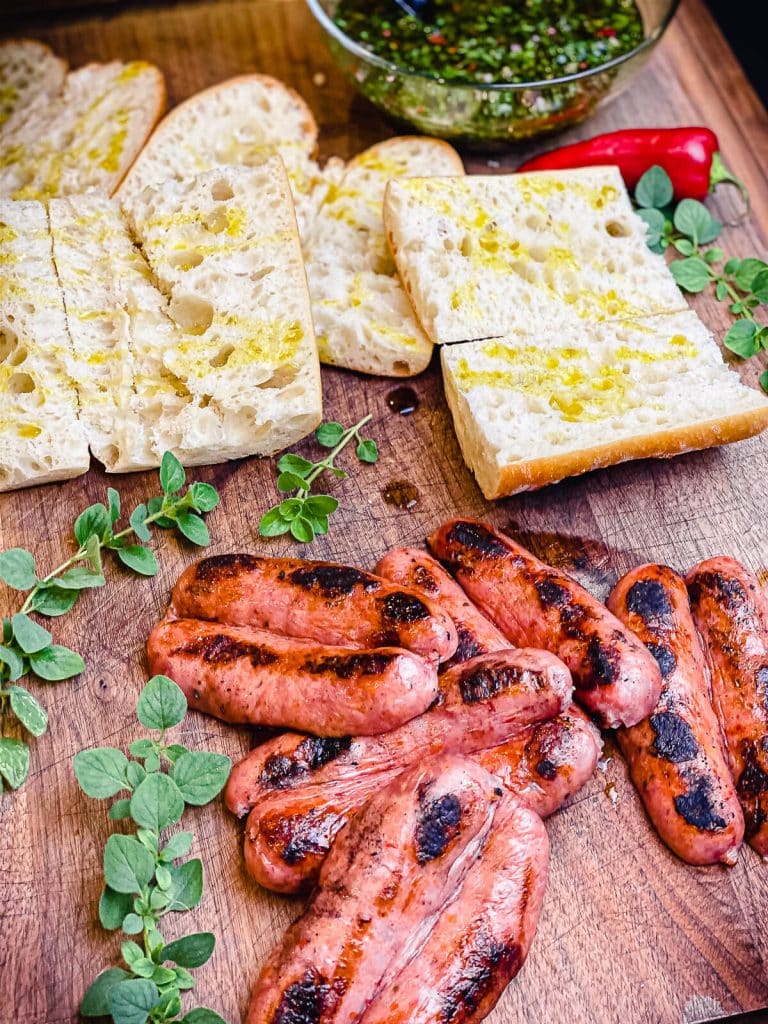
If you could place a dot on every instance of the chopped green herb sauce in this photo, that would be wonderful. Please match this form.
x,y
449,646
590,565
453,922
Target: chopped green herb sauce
x,y
484,42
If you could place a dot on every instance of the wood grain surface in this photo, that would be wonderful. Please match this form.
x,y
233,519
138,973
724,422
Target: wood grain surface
x,y
629,935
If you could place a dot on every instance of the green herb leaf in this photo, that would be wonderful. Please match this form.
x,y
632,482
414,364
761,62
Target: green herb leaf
x,y
691,274
14,761
162,704
368,451
172,1005
114,910
203,497
760,286
764,380
163,877
130,1002
120,809
113,502
289,482
320,505
200,776
684,246
138,522
273,523
178,845
191,951
96,1000
329,434
128,866
131,953
157,802
56,662
654,188
30,637
692,218
732,265
290,508
184,979
290,463
202,1016
139,559
713,255
193,528
80,577
655,221
53,601
14,661
302,529
17,568
746,272
174,751
187,888
721,291
135,774
741,338
93,522
140,748
172,475
27,710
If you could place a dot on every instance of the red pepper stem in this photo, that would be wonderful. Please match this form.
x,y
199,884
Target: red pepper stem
x,y
720,174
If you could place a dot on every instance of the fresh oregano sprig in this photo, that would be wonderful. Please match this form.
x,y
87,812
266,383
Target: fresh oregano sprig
x,y
27,648
688,226
143,881
305,515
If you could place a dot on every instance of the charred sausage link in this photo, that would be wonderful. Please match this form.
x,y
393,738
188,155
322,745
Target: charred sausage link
x,y
484,702
676,756
536,605
332,604
415,569
389,873
289,833
479,942
731,612
249,675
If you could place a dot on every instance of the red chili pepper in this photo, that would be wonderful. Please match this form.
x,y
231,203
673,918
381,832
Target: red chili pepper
x,y
689,156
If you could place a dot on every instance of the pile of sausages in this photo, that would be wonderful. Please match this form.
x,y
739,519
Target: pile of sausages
x,y
436,729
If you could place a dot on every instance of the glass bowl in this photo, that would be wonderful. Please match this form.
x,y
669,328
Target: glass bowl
x,y
488,114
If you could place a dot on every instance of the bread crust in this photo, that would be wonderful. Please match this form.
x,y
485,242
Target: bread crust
x,y
161,105
398,140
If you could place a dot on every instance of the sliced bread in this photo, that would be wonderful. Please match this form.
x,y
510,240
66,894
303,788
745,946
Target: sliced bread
x,y
28,70
363,318
529,411
244,120
84,138
481,257
224,251
41,438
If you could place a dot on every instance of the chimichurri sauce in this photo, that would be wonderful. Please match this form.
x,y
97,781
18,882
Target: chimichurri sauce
x,y
481,41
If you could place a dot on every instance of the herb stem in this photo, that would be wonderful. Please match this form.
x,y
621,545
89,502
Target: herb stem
x,y
327,462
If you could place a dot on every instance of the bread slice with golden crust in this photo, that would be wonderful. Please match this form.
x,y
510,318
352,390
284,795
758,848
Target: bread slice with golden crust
x,y
531,409
28,70
363,318
86,137
41,438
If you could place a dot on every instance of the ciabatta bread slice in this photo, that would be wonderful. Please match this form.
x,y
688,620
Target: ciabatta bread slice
x,y
533,408
28,70
484,256
363,318
41,438
243,121
86,137
225,253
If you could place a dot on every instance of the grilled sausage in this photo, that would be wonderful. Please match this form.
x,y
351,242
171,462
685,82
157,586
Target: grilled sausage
x,y
333,604
249,675
479,942
389,873
535,605
676,756
731,612
288,834
484,702
415,569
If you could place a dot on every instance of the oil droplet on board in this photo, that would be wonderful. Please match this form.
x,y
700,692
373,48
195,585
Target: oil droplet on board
x,y
400,493
403,400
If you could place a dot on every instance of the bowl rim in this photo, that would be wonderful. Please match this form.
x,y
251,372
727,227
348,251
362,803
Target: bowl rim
x,y
351,45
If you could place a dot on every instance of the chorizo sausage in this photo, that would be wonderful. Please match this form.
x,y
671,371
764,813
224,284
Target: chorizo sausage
x,y
332,604
536,605
250,676
415,569
390,871
731,612
676,756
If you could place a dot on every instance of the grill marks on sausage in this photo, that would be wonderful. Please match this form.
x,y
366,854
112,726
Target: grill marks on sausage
x,y
295,838
699,805
437,824
483,960
649,600
307,1001
219,649
674,740
345,666
469,646
424,579
281,770
334,581
477,541
217,568
753,784
552,594
724,590
664,657
603,660
490,681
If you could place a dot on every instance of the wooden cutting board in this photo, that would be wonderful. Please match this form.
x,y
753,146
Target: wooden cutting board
x,y
629,935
